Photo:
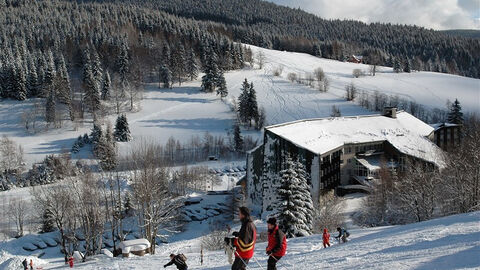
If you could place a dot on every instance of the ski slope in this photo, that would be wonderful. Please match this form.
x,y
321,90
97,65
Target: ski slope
x,y
446,243
184,111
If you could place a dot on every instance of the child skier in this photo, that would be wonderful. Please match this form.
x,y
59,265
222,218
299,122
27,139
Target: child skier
x,y
342,235
178,260
277,244
326,238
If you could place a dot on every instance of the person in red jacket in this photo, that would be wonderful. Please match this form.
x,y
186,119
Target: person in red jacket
x,y
326,238
244,241
70,262
277,244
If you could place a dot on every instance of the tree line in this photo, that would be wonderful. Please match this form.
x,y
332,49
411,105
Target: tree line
x,y
268,25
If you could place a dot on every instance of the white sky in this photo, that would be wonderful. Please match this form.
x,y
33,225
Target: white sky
x,y
436,14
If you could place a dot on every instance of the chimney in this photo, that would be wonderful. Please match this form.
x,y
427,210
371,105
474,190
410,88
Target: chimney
x,y
390,112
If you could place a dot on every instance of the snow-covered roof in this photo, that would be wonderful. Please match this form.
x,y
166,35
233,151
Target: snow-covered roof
x,y
405,132
437,126
135,245
372,163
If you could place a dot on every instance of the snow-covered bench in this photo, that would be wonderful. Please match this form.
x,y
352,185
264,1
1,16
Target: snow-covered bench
x,y
137,247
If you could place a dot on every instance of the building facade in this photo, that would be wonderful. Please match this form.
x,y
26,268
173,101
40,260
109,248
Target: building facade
x,y
337,152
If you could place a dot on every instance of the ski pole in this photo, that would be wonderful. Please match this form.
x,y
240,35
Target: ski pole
x,y
238,256
278,261
255,259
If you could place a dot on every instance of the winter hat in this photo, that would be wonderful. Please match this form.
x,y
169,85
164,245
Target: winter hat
x,y
272,221
245,211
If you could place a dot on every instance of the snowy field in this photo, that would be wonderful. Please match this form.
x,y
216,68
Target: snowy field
x,y
446,243
184,111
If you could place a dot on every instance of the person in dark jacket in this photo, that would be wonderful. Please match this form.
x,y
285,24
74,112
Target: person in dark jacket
x,y
277,244
178,261
244,240
25,264
342,235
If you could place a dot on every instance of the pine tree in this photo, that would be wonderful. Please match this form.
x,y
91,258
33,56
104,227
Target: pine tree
x,y
397,67
32,79
95,135
128,205
211,77
97,69
455,116
122,131
49,75
123,62
408,66
165,76
19,83
192,65
252,105
106,86
166,55
50,107
243,108
90,86
222,87
64,90
48,223
178,63
106,150
237,139
295,209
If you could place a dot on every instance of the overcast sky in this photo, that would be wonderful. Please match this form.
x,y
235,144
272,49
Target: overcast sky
x,y
436,14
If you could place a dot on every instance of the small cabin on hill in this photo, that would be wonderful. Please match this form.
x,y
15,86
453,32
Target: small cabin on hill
x,y
338,152
355,59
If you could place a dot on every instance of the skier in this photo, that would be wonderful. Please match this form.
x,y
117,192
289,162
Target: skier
x,y
277,244
342,235
31,264
326,238
25,264
179,261
244,240
70,261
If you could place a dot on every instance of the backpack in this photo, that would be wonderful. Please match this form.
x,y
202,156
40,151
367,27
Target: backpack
x,y
182,257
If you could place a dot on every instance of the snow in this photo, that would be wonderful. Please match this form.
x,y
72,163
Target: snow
x,y
446,243
134,245
406,133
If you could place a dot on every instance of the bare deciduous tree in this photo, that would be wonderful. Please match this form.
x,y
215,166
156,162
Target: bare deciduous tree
x,y
17,211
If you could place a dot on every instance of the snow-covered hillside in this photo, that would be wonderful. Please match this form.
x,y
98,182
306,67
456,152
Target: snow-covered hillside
x,y
445,243
184,111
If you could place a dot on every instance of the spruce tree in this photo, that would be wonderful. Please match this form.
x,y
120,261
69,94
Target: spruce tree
x,y
107,150
212,73
252,105
123,63
92,96
408,66
192,65
397,67
237,138
295,207
64,90
97,69
19,83
106,86
50,107
48,222
32,79
50,74
222,87
243,106
122,131
95,135
178,63
455,116
165,76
